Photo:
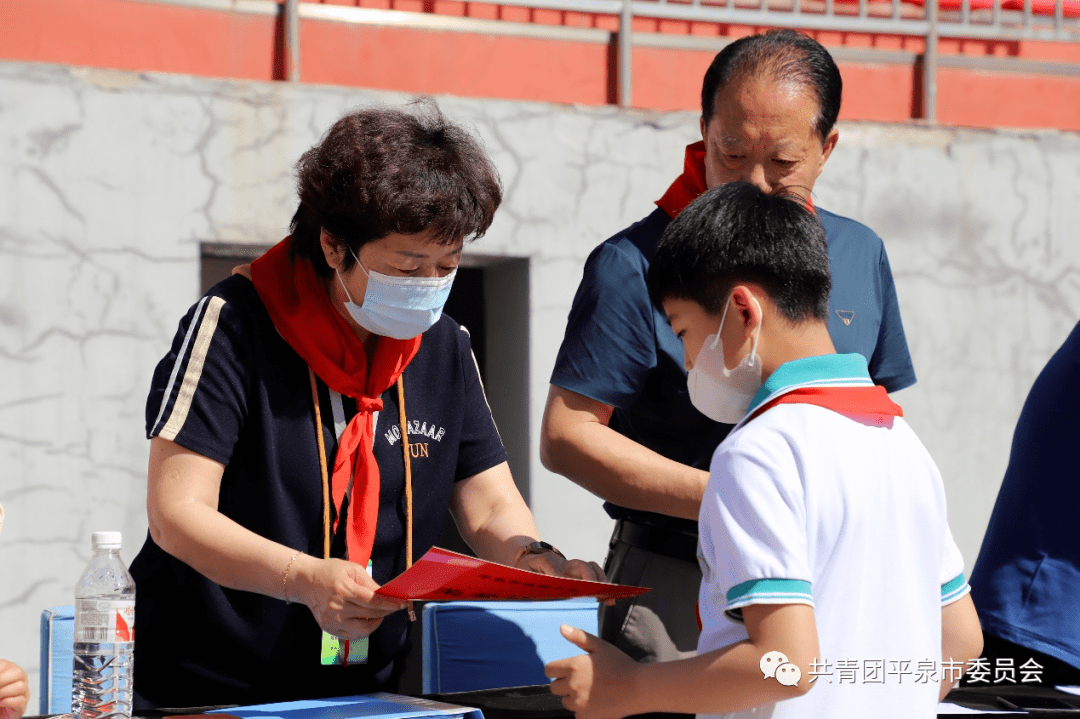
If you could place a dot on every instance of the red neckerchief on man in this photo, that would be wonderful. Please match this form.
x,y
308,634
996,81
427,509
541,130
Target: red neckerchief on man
x,y
300,308
691,183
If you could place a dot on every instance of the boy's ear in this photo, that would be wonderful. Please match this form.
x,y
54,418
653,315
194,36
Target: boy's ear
x,y
745,302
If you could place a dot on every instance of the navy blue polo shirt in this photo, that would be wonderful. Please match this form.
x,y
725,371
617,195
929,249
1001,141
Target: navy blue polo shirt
x,y
620,350
233,390
1026,581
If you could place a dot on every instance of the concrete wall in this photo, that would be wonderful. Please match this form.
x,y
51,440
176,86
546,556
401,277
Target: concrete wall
x,y
109,181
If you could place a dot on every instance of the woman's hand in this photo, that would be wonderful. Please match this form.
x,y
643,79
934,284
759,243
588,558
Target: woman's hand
x,y
340,595
182,504
14,690
495,521
555,565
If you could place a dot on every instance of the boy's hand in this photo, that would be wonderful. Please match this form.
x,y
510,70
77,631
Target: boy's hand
x,y
596,685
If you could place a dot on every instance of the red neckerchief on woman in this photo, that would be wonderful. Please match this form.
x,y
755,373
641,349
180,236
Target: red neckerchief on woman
x,y
691,183
301,310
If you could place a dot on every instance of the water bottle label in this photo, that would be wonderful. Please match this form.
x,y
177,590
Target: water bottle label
x,y
104,620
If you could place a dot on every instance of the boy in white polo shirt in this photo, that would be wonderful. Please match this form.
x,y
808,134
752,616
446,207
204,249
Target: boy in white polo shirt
x,y
827,559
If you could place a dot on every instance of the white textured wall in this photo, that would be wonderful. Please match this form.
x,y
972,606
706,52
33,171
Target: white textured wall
x,y
109,181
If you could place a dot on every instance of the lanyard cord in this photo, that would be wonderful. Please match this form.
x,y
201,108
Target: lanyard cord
x,y
326,479
322,465
408,472
408,482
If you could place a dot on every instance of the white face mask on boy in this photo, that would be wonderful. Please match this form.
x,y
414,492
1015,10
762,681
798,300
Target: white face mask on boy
x,y
721,394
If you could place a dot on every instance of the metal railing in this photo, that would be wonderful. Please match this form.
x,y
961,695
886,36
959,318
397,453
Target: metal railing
x,y
1048,20
988,20
1004,20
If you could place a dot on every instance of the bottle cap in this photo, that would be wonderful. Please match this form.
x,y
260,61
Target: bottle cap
x,y
105,540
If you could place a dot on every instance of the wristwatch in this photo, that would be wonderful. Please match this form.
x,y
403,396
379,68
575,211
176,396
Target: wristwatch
x,y
536,548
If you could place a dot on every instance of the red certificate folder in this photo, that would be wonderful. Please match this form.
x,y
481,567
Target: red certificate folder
x,y
442,575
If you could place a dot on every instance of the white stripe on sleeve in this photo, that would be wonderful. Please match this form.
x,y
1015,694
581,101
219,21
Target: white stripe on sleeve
x,y
207,327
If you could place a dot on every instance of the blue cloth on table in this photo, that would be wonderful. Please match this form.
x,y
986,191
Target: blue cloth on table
x,y
354,707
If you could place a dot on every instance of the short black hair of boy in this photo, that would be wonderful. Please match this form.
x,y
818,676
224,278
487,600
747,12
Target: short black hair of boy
x,y
736,233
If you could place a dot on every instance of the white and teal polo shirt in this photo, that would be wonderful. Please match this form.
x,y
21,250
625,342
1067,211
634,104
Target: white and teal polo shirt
x,y
843,511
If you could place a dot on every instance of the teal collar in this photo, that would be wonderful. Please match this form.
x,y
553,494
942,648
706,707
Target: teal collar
x,y
835,370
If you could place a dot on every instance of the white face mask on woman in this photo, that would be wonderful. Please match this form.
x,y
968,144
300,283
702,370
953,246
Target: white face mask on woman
x,y
399,307
721,394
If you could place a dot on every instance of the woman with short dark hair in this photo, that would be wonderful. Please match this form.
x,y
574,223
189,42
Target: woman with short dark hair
x,y
311,425
384,171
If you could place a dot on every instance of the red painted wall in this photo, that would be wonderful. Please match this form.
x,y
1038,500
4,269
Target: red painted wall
x,y
133,35
453,63
139,36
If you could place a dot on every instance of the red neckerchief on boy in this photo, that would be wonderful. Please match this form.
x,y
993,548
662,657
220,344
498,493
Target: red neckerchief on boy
x,y
870,402
691,183
299,306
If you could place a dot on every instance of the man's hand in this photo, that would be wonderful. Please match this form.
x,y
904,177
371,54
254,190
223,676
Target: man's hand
x,y
14,690
598,685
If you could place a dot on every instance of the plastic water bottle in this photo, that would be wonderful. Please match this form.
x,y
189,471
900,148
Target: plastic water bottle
x,y
104,634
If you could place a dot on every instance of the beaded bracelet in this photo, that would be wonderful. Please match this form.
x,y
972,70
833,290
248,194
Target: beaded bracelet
x,y
285,578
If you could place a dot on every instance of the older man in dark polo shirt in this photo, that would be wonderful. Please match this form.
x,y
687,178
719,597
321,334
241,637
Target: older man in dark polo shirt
x,y
618,419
